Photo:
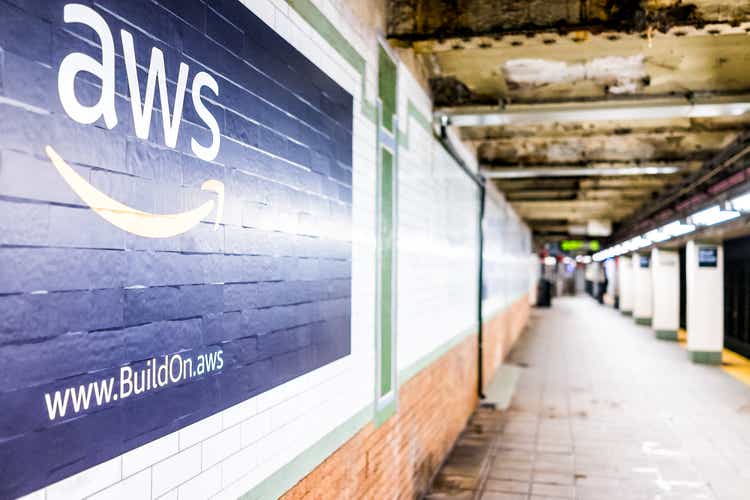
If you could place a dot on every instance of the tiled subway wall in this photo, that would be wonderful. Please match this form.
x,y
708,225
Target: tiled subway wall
x,y
203,282
507,255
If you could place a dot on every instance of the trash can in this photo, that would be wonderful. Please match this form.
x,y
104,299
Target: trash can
x,y
544,293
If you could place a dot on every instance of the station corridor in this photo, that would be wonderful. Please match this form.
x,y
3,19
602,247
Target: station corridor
x,y
604,410
374,249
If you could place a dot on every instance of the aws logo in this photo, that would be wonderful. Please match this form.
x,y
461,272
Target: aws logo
x,y
125,217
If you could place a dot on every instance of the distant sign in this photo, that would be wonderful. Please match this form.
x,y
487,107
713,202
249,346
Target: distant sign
x,y
572,245
708,256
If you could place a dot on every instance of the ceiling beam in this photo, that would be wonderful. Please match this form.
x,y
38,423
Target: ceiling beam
x,y
579,194
413,20
681,126
586,183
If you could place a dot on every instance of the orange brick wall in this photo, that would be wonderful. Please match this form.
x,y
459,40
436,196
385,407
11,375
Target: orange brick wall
x,y
500,333
399,458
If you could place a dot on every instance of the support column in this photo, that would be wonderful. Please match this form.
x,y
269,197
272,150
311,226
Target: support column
x,y
665,268
705,301
643,305
625,275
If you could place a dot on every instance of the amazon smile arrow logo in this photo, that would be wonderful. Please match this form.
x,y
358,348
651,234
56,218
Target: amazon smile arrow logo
x,y
132,220
127,218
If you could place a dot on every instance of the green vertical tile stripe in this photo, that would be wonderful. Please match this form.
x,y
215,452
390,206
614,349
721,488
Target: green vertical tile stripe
x,y
325,28
317,21
386,270
387,87
422,121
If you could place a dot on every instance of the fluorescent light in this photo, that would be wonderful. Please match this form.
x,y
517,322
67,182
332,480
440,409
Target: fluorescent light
x,y
713,215
657,236
741,203
530,173
636,243
603,110
677,228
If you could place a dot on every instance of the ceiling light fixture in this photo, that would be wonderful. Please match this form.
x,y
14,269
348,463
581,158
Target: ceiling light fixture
x,y
677,228
657,236
741,203
699,107
713,215
528,173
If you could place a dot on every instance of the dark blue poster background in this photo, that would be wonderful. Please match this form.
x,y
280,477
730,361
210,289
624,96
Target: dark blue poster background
x,y
136,336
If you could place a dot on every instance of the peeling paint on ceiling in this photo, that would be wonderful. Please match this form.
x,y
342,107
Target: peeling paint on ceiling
x,y
620,74
492,54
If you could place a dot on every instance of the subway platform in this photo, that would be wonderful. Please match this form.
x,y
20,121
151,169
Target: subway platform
x,y
604,410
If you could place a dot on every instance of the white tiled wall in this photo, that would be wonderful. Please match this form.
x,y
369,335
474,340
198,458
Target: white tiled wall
x,y
226,455
437,240
507,247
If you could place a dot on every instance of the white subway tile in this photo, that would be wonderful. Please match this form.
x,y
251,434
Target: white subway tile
x,y
201,486
136,486
255,428
87,482
175,470
238,465
171,495
197,432
239,412
220,446
148,454
37,495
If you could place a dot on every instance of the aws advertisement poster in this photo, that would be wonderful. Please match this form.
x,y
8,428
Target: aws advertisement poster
x,y
175,224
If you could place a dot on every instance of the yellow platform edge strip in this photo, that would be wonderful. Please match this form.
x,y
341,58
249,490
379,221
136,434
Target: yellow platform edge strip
x,y
732,363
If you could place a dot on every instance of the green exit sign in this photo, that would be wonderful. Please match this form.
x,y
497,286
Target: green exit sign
x,y
573,245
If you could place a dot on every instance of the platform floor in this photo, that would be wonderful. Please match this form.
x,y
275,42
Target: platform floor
x,y
603,410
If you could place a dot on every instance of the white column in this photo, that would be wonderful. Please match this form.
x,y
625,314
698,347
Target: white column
x,y
625,273
665,268
534,265
610,268
704,266
643,301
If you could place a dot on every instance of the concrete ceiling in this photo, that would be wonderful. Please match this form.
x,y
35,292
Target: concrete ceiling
x,y
494,55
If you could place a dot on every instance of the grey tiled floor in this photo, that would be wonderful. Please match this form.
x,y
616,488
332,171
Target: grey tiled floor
x,y
603,410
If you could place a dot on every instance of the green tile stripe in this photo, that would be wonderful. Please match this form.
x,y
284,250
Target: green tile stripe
x,y
386,292
326,29
705,357
383,414
626,313
425,361
422,121
290,474
643,321
667,335
287,476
